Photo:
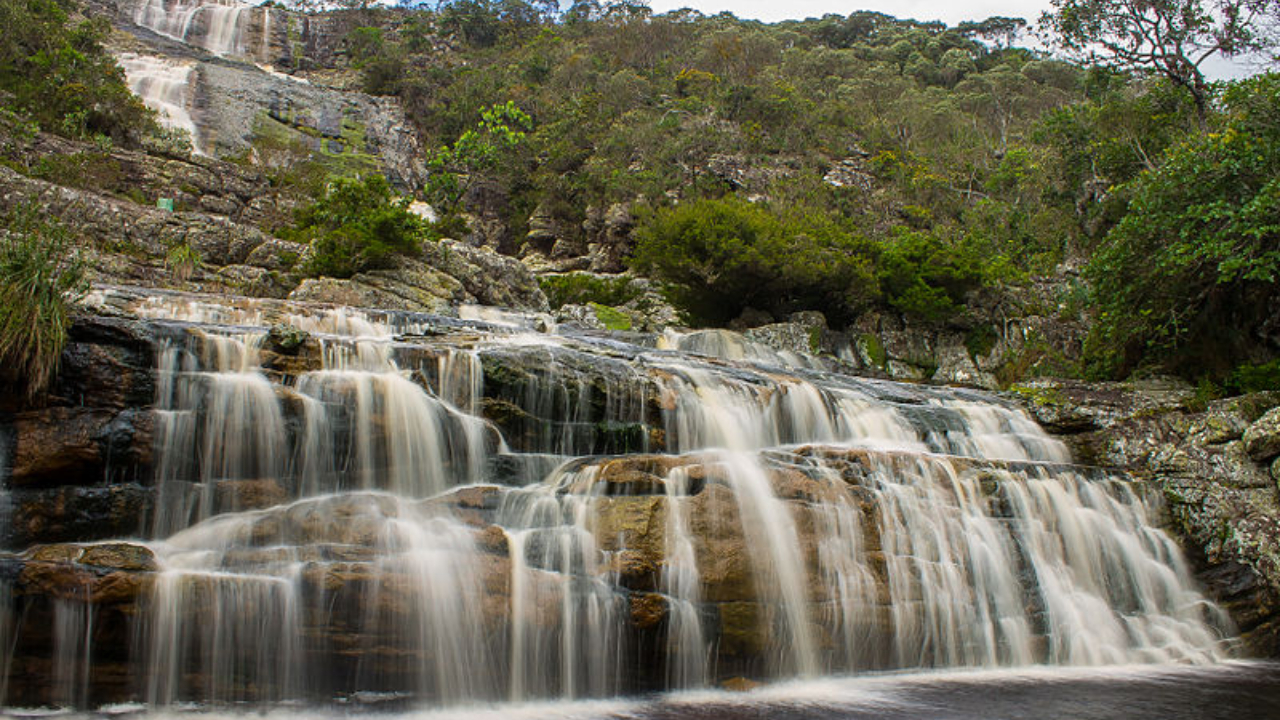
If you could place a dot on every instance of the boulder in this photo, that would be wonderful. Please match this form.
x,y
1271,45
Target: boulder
x,y
1262,439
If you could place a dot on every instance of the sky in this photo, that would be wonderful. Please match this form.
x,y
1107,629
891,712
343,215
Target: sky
x,y
952,12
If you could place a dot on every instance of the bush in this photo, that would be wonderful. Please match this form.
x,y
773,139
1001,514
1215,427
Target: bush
x,y
585,288
40,275
719,257
358,225
1188,279
926,276
61,76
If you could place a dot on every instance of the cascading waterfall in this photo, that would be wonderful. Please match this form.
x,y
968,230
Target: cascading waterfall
x,y
219,26
455,511
164,86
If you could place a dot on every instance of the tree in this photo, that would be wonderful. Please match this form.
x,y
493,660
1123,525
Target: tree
x,y
1190,278
1171,38
454,167
359,224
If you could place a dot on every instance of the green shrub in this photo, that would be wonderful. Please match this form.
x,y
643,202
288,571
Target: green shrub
x,y
1249,378
60,75
585,288
40,276
358,225
926,275
719,257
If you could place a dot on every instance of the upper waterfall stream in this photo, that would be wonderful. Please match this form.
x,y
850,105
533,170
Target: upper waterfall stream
x,y
356,504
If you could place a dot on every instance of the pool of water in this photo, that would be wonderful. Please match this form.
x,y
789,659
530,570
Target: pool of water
x,y
1231,691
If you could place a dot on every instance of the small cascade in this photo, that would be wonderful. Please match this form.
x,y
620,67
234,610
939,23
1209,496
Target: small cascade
x,y
452,511
165,86
219,26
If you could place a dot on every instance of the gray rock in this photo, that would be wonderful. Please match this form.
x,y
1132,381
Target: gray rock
x,y
956,367
254,281
276,254
486,276
584,316
786,337
1262,439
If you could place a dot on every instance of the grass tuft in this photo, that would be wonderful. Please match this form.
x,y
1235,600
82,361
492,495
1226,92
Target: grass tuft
x,y
40,277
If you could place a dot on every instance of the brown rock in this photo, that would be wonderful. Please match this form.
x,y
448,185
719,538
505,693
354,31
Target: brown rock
x,y
648,610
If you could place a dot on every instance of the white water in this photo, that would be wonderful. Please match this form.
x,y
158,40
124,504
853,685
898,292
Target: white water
x,y
792,523
219,26
164,86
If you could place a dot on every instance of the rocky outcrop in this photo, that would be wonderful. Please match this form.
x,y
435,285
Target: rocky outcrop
x,y
1212,464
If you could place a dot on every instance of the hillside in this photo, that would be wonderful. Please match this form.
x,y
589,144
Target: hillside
x,y
959,209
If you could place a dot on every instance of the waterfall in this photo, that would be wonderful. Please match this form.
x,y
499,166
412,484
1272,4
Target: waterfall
x,y
164,86
455,511
218,26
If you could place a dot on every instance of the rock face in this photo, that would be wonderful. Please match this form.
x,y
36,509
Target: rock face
x,y
1210,463
1262,439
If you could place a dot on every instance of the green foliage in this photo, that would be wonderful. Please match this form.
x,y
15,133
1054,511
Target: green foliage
x,y
1172,38
359,224
1190,273
585,288
1251,377
40,276
611,318
58,73
720,257
182,260
501,129
926,276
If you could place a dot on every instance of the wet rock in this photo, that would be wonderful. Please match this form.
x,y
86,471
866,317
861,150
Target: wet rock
x,y
235,495
77,513
107,362
740,684
118,556
286,339
58,446
648,610
1262,439
78,446
743,628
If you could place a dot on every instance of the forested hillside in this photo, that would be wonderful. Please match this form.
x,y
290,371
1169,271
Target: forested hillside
x,y
844,164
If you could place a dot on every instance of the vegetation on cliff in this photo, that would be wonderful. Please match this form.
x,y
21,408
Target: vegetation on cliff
x,y
841,164
40,275
55,72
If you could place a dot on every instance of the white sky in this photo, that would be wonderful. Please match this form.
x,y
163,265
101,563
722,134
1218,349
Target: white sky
x,y
951,12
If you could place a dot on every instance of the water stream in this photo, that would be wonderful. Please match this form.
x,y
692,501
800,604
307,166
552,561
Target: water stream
x,y
438,513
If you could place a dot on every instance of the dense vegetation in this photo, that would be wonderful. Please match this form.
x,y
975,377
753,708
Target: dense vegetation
x,y
55,72
842,164
850,163
357,224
